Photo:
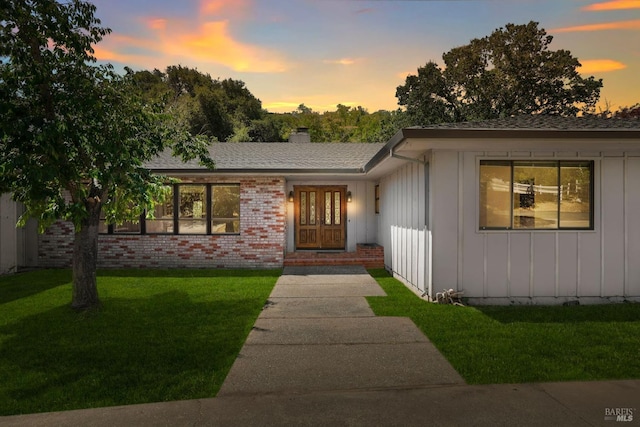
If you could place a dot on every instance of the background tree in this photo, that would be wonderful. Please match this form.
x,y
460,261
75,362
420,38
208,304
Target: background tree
x,y
508,73
73,135
628,112
220,109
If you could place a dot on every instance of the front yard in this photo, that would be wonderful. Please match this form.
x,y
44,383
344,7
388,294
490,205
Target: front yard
x,y
518,344
160,336
173,335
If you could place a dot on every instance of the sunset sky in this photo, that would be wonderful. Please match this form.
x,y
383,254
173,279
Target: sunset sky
x,y
356,52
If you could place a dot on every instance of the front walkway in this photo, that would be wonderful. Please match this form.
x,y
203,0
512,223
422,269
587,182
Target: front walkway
x,y
317,333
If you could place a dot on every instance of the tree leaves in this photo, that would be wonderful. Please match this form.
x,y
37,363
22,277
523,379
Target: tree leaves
x,y
508,73
71,127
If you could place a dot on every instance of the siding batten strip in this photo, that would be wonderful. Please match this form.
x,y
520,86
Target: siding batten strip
x,y
578,279
531,261
602,227
557,272
625,224
484,267
508,265
459,271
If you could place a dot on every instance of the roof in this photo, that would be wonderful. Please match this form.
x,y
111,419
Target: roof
x,y
527,132
544,122
527,126
276,157
359,158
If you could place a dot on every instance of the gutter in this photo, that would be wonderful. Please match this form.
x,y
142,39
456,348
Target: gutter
x,y
172,171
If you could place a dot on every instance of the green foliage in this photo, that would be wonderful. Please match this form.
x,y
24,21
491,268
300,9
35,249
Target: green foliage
x,y
518,344
346,124
508,73
74,136
160,336
219,109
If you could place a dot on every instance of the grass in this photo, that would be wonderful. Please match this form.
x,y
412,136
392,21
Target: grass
x,y
159,336
519,344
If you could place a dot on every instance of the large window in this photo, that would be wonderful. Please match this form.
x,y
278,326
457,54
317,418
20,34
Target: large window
x,y
547,195
199,209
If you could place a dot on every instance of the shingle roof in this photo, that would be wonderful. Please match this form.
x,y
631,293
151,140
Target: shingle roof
x,y
278,156
335,157
543,122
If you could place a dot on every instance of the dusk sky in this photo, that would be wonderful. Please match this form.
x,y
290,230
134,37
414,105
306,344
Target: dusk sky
x,y
356,52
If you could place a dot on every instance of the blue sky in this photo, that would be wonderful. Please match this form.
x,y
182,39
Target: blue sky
x,y
356,52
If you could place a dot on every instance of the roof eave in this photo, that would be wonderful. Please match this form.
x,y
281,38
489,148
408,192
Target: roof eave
x,y
202,171
449,133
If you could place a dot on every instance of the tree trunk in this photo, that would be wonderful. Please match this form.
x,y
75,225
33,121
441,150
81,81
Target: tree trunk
x,y
85,259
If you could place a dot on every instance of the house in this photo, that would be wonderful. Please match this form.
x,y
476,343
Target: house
x,y
535,209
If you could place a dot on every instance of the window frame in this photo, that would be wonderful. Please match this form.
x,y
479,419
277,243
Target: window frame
x,y
175,219
559,163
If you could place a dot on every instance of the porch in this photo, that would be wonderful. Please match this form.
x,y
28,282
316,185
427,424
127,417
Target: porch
x,y
369,255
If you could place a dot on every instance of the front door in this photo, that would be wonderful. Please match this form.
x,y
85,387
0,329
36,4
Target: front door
x,y
320,214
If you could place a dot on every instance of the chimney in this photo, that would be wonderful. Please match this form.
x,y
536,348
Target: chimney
x,y
300,135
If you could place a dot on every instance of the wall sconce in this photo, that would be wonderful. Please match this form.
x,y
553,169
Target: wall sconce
x,y
349,197
291,196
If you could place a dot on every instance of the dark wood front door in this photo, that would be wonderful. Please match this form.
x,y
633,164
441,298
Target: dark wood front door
x,y
320,214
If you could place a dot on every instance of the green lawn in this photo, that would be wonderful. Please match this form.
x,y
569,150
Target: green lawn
x,y
517,344
159,336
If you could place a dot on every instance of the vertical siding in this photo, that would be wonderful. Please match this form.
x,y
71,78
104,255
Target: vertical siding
x,y
543,264
536,266
632,226
445,220
27,242
8,235
612,234
401,224
520,268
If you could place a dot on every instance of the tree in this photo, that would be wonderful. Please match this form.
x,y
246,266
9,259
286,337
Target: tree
x,y
508,73
222,109
74,135
628,112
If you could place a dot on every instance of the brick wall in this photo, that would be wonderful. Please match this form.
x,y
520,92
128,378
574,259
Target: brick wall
x,y
260,244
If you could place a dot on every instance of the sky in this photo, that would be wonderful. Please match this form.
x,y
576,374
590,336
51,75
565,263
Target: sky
x,y
322,53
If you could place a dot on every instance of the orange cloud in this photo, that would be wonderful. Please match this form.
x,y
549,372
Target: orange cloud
x,y
590,66
613,5
171,42
620,25
157,23
342,61
225,8
212,43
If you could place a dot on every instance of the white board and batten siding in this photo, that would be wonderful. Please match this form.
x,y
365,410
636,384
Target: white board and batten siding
x,y
515,266
402,225
18,246
8,235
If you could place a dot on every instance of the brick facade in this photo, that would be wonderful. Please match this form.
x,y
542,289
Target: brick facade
x,y
260,244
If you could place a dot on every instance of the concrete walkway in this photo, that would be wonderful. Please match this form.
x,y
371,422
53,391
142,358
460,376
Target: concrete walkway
x,y
318,356
318,334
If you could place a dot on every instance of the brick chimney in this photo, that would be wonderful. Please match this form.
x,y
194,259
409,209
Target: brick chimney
x,y
300,135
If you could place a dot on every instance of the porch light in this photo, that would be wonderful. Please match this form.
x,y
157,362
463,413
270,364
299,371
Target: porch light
x,y
291,196
349,198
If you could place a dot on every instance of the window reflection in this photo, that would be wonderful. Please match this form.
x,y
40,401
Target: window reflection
x,y
536,194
